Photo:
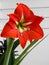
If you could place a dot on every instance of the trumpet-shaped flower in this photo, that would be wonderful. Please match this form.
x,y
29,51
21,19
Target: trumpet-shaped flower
x,y
23,24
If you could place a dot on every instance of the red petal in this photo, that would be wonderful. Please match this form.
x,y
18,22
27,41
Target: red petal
x,y
39,30
23,9
23,37
14,17
12,24
27,13
38,19
22,41
8,29
36,33
35,20
13,33
19,10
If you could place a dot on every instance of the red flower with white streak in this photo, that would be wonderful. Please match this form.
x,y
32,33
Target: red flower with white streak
x,y
23,24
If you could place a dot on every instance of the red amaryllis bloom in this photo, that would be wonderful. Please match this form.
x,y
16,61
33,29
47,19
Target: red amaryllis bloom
x,y
24,25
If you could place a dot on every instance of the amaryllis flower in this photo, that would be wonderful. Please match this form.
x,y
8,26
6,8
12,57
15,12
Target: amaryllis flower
x,y
23,24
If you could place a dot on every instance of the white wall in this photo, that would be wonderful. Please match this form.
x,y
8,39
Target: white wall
x,y
40,55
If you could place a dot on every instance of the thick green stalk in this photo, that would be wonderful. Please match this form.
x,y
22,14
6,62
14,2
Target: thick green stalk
x,y
23,53
8,51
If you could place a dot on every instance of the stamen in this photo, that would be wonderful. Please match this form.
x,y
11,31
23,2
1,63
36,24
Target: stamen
x,y
22,18
17,23
28,23
20,29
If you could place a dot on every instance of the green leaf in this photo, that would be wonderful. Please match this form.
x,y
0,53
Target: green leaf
x,y
16,43
26,51
10,43
23,53
30,50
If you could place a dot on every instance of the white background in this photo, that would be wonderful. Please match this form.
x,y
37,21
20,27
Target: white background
x,y
40,54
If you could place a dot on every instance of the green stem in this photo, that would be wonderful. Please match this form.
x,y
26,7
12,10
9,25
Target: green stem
x,y
8,51
23,53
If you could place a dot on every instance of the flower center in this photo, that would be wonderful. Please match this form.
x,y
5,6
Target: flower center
x,y
21,26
